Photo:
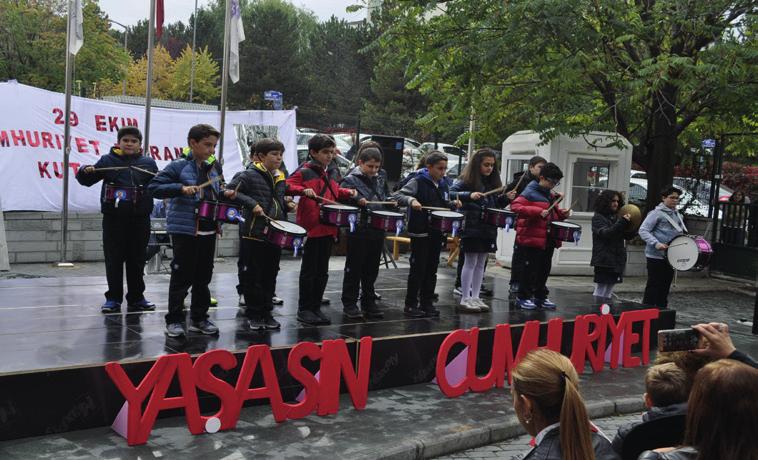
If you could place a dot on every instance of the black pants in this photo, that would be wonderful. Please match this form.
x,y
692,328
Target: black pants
x,y
361,270
659,277
260,265
192,266
125,243
422,278
536,269
240,265
314,272
517,267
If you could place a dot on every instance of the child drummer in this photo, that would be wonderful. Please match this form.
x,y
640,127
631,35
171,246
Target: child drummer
x,y
364,245
533,236
315,182
126,208
260,188
187,181
427,189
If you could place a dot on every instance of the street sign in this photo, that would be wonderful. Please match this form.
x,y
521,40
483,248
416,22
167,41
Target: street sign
x,y
275,97
709,143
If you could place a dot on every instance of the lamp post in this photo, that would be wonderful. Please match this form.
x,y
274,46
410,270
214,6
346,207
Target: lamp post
x,y
126,34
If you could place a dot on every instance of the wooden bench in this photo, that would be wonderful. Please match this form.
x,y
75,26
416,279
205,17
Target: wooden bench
x,y
398,240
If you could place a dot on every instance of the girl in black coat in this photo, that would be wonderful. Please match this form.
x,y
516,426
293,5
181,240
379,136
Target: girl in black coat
x,y
608,246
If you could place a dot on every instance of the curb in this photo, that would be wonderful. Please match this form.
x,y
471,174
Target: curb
x,y
491,431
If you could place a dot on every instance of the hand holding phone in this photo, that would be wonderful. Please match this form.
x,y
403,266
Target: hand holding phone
x,y
678,339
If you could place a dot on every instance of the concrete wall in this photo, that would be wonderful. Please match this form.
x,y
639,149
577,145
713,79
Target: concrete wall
x,y
36,237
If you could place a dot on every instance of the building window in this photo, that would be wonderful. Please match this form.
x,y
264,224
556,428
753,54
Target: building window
x,y
589,180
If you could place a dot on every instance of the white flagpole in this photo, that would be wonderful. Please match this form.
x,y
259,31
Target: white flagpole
x,y
66,138
148,93
224,79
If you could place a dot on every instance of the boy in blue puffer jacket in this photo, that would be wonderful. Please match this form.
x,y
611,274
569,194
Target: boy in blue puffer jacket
x,y
660,226
126,208
193,239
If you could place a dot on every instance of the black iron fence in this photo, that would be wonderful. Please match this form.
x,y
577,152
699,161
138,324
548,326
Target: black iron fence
x,y
737,224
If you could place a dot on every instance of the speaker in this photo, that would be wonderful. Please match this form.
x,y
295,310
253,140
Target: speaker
x,y
392,147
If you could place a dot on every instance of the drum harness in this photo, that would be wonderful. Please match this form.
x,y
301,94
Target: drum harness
x,y
679,228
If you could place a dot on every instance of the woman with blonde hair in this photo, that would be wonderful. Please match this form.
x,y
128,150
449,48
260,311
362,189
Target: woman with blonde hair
x,y
549,406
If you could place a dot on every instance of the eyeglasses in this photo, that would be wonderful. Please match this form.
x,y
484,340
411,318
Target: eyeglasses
x,y
554,182
614,201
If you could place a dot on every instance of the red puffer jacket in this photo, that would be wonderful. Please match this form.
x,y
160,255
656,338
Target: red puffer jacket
x,y
311,175
531,228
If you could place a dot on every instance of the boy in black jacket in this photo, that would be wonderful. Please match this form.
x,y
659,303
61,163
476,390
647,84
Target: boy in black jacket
x,y
427,188
261,191
364,246
126,208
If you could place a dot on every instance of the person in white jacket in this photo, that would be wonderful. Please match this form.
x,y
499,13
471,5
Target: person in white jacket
x,y
661,225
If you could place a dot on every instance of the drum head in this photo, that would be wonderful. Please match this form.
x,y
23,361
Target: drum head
x,y
565,224
447,214
288,227
682,253
387,213
339,207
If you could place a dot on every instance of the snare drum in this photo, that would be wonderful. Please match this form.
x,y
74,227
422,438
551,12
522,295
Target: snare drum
x,y
206,210
285,234
446,221
386,221
229,213
565,231
499,218
117,193
689,253
339,215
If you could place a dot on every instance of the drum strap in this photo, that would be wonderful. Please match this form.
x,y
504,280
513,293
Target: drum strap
x,y
679,228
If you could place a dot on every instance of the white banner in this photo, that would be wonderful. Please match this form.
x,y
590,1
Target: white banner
x,y
31,142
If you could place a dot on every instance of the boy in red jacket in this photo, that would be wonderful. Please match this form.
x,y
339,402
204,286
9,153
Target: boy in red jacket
x,y
314,180
533,235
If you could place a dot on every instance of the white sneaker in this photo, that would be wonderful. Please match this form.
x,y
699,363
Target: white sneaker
x,y
480,303
242,301
468,306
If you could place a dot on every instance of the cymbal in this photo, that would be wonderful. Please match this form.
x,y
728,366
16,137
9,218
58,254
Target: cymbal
x,y
636,217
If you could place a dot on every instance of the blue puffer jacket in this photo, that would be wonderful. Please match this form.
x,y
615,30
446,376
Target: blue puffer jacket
x,y
429,193
181,216
474,227
657,229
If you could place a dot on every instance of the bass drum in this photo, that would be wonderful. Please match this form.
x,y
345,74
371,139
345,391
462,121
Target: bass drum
x,y
689,253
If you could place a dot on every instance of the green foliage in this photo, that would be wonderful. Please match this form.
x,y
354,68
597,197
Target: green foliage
x,y
646,70
205,86
33,44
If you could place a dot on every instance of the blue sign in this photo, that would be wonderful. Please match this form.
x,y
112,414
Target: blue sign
x,y
275,97
709,143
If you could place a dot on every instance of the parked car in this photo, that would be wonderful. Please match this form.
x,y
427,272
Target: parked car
x,y
702,189
688,204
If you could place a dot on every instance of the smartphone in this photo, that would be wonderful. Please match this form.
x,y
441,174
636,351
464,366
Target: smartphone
x,y
678,339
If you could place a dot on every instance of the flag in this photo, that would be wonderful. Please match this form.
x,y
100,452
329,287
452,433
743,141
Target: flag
x,y
237,35
76,20
158,19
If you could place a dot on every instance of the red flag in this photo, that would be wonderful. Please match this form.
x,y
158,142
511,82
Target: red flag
x,y
158,19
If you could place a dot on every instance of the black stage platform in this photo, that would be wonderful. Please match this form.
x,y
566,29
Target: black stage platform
x,y
54,341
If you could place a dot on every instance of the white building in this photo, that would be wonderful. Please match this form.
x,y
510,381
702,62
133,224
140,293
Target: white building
x,y
588,166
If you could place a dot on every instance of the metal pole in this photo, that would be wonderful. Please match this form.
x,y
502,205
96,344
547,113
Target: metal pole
x,y
194,41
126,48
66,140
471,126
224,79
148,94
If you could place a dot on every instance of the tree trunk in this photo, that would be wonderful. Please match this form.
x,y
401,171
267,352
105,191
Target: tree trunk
x,y
661,146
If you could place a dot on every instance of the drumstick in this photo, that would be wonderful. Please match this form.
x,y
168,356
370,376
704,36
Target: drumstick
x,y
144,171
680,244
499,189
572,206
111,168
325,199
432,208
519,182
209,182
382,202
555,203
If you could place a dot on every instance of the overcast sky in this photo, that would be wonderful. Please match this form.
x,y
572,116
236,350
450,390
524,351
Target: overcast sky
x,y
129,12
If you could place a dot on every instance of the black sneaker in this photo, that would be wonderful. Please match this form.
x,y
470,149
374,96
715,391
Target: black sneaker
x,y
277,301
430,311
377,296
373,312
256,323
413,312
325,301
272,324
308,317
435,297
142,305
324,319
352,312
486,292
205,327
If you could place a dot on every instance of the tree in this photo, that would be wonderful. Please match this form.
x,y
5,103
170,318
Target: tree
x,y
163,75
646,69
205,86
33,44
